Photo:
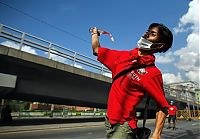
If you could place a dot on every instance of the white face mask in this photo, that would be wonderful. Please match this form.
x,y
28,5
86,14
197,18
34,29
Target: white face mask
x,y
144,44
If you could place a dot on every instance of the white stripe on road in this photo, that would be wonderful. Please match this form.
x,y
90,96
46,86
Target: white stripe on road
x,y
50,128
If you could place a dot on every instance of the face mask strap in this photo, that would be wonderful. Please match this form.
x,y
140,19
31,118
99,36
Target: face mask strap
x,y
156,46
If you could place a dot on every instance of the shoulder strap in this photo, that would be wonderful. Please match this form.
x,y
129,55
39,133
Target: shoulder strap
x,y
148,97
145,110
123,72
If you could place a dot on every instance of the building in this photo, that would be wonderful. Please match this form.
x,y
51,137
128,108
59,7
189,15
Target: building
x,y
187,92
45,106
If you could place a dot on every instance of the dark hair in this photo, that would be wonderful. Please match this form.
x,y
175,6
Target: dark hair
x,y
166,36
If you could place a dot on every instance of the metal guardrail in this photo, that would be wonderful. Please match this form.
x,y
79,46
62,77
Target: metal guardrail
x,y
50,49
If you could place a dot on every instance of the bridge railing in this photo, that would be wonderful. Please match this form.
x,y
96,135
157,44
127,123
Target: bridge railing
x,y
51,50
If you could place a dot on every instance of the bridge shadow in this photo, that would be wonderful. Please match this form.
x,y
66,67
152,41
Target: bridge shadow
x,y
43,121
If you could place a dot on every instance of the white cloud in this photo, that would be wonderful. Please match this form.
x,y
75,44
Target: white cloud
x,y
164,59
107,74
29,50
191,17
193,75
25,48
189,55
10,44
172,78
77,66
54,56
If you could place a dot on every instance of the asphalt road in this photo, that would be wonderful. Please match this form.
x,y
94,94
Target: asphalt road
x,y
61,129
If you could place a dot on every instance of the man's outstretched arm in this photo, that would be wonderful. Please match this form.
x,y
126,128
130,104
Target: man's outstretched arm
x,y
95,41
160,121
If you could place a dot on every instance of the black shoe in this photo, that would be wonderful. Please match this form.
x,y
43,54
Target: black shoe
x,y
168,127
174,128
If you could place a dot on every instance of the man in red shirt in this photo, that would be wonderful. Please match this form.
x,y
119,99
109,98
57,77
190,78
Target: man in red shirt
x,y
172,115
128,90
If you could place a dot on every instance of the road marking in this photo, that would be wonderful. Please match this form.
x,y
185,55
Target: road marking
x,y
196,124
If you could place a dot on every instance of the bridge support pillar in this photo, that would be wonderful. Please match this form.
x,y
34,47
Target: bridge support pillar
x,y
5,112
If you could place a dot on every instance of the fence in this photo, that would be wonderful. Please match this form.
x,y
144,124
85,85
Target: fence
x,y
188,114
32,114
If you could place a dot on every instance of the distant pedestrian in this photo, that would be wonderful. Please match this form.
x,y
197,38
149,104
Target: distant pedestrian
x,y
172,115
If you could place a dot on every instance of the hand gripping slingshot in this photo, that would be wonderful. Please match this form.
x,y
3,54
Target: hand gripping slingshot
x,y
99,31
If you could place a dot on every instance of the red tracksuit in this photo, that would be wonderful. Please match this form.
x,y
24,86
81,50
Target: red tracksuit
x,y
172,110
128,90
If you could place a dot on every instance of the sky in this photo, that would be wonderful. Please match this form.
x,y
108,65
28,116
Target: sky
x,y
66,23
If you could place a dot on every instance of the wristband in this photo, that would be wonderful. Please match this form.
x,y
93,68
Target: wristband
x,y
93,33
96,33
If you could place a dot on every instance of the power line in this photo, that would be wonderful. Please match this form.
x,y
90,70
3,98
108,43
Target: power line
x,y
44,22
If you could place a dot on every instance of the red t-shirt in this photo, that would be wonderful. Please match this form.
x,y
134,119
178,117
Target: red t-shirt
x,y
172,110
128,90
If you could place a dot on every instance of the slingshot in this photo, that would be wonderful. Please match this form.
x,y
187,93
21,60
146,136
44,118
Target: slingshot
x,y
102,32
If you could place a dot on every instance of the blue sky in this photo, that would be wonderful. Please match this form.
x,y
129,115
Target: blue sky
x,y
66,23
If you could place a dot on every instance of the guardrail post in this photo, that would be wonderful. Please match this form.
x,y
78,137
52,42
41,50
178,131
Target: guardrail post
x,y
22,40
102,69
1,28
74,58
49,50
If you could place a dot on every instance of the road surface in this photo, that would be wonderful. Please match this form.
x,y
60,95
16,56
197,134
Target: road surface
x,y
55,129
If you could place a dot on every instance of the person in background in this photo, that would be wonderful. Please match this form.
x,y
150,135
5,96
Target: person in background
x,y
128,90
172,115
6,113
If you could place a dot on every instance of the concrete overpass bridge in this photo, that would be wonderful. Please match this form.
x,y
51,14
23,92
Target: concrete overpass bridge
x,y
34,78
39,77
